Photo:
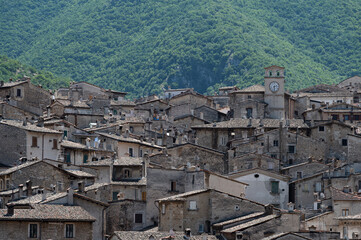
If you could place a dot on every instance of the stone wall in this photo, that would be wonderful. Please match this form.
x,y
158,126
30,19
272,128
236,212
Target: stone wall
x,y
15,144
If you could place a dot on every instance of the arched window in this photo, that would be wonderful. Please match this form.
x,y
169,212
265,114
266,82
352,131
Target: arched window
x,y
270,73
278,73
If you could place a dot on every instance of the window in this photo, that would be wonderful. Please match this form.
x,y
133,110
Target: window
x,y
1,184
299,174
321,128
273,155
345,212
249,112
192,205
249,96
141,153
275,143
138,218
69,230
127,173
356,117
7,183
271,165
85,158
65,134
34,142
278,73
223,141
318,187
115,196
55,143
131,129
144,196
18,92
296,113
201,228
275,186
173,186
344,142
163,208
33,230
346,117
305,187
291,149
270,73
339,101
130,152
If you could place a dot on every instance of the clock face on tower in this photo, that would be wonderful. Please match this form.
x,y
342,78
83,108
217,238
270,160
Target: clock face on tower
x,y
274,86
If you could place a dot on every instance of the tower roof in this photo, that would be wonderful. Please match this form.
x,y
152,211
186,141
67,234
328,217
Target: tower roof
x,y
274,66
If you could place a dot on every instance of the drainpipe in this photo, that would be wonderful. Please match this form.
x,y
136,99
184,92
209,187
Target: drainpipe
x,y
42,148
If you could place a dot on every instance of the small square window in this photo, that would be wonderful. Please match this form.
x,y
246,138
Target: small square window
x,y
344,142
138,218
321,128
275,143
345,212
173,186
192,205
291,149
18,92
273,155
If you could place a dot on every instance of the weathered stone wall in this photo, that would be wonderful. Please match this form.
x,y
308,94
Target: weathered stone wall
x,y
48,230
120,216
14,141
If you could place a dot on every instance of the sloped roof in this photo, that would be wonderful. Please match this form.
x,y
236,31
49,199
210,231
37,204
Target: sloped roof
x,y
254,88
253,123
51,213
261,171
249,224
29,127
239,219
129,140
182,196
338,195
145,235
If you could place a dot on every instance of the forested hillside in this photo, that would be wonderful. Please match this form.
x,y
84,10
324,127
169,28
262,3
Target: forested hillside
x,y
12,69
141,46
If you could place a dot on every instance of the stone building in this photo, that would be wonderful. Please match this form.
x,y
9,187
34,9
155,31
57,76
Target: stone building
x,y
200,209
186,102
252,160
343,112
46,222
25,95
28,141
191,154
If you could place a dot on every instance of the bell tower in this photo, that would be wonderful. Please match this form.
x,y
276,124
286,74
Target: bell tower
x,y
274,96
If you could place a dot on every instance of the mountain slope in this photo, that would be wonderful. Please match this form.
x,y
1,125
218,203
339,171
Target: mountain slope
x,y
142,46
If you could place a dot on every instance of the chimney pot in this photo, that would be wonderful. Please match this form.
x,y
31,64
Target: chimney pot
x,y
29,189
10,210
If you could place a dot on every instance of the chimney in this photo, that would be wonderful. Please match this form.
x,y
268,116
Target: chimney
x,y
70,197
40,122
25,122
81,187
21,190
29,189
201,115
10,210
268,209
192,112
1,83
43,194
126,134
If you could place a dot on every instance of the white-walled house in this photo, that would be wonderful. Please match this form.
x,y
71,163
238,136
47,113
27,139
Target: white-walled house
x,y
25,140
265,187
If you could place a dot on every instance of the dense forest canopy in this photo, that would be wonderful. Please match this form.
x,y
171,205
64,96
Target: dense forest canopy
x,y
142,46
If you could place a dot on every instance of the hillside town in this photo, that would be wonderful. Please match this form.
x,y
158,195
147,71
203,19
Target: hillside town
x,y
87,163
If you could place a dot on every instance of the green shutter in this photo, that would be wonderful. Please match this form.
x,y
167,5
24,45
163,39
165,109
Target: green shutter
x,y
275,186
85,158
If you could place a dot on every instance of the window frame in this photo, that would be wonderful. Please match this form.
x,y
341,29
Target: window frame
x,y
30,232
65,230
192,205
135,218
34,141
